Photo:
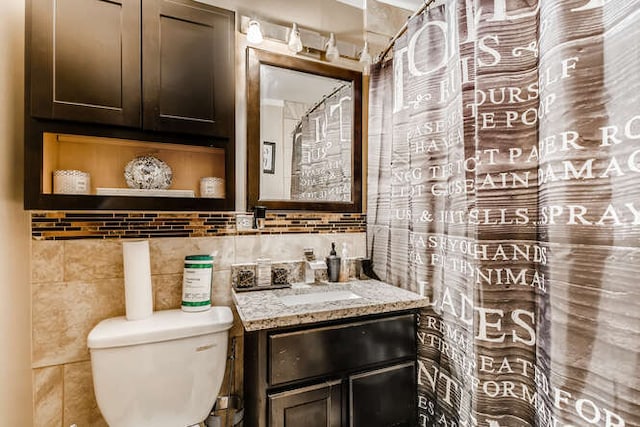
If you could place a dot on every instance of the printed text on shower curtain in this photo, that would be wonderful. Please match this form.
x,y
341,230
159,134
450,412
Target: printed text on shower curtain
x,y
504,184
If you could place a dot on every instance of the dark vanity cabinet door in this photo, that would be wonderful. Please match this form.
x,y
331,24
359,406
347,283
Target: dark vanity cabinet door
x,y
357,372
187,61
314,406
85,61
383,397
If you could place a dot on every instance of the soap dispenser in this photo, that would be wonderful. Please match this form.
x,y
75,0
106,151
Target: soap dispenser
x,y
333,264
344,265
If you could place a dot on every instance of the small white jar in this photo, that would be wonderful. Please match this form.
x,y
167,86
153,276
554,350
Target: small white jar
x,y
263,272
71,181
212,187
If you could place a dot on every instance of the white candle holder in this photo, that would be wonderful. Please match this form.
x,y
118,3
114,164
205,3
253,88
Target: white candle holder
x,y
70,181
212,187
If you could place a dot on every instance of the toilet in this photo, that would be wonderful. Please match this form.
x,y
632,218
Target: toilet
x,y
163,371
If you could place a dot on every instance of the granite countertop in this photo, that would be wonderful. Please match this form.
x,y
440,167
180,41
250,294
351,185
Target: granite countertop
x,y
264,309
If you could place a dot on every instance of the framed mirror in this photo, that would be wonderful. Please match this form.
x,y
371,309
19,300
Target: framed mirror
x,y
304,134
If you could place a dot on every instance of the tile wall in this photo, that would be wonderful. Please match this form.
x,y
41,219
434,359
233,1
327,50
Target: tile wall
x,y
76,283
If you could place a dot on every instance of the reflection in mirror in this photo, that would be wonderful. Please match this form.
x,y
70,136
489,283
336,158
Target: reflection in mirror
x,y
303,134
306,136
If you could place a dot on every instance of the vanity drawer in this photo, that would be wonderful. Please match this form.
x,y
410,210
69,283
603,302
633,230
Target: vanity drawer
x,y
339,348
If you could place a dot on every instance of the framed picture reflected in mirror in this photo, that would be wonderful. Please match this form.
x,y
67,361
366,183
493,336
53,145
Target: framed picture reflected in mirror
x,y
269,157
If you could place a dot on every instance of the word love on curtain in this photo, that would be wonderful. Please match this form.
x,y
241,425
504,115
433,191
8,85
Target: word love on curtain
x,y
504,185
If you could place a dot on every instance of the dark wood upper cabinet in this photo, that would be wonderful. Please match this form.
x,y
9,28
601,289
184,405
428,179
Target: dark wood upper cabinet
x,y
187,63
109,80
158,65
85,61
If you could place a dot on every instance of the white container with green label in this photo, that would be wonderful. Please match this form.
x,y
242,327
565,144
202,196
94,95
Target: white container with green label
x,y
196,282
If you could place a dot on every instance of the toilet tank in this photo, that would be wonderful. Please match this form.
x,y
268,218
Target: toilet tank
x,y
164,371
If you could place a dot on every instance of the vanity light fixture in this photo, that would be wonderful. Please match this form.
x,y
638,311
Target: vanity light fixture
x,y
331,52
299,40
295,43
254,33
365,59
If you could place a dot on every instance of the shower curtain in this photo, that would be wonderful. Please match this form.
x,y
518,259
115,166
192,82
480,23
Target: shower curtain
x,y
321,160
504,185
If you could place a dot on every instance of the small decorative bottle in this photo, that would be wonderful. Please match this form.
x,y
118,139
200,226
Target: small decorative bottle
x,y
333,264
263,272
344,264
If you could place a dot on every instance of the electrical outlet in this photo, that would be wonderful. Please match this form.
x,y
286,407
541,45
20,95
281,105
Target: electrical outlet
x,y
244,222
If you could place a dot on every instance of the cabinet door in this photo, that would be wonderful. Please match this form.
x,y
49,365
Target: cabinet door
x,y
314,406
187,57
85,60
384,397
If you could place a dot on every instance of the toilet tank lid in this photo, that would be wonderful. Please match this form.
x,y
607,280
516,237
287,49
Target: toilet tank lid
x,y
163,325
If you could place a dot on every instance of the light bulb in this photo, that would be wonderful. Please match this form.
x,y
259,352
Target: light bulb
x,y
331,52
254,34
365,59
295,43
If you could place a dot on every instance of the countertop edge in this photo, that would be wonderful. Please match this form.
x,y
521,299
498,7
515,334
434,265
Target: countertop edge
x,y
345,313
322,315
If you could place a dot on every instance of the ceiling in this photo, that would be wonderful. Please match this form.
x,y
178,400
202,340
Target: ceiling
x,y
409,5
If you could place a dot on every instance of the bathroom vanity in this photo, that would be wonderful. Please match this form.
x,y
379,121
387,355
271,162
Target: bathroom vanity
x,y
334,355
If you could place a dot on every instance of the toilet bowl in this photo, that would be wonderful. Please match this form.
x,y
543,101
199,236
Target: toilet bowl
x,y
164,371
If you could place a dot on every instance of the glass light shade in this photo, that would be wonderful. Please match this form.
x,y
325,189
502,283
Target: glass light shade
x,y
331,52
295,43
365,59
254,33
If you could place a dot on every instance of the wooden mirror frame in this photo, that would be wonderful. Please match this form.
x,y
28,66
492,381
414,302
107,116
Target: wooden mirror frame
x,y
257,57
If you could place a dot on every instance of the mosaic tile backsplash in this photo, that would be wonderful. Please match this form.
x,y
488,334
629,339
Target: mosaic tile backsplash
x,y
49,225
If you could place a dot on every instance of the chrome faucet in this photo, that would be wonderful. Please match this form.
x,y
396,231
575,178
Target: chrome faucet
x,y
313,268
